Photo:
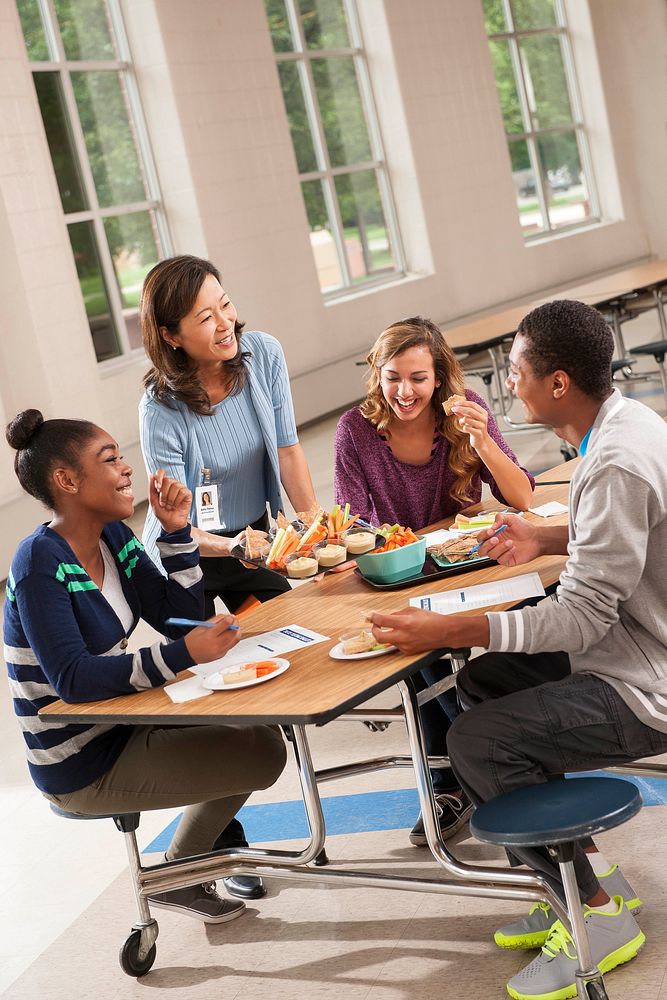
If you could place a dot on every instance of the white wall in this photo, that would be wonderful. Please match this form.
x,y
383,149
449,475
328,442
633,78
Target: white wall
x,y
212,99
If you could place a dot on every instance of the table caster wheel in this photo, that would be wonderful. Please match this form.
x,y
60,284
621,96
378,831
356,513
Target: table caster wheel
x,y
129,957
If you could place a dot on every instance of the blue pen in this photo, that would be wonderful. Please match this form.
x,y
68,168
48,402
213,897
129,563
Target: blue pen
x,y
190,622
479,544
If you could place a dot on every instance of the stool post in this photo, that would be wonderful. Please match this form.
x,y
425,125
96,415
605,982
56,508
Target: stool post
x,y
146,923
502,883
660,306
660,361
616,330
587,971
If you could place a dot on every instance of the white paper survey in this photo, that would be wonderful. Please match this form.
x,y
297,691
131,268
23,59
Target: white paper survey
x,y
483,595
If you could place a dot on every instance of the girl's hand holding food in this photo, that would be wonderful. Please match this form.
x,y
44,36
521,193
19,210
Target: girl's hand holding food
x,y
473,420
205,643
171,501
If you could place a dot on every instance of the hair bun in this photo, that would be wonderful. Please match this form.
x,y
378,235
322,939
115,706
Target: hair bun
x,y
22,428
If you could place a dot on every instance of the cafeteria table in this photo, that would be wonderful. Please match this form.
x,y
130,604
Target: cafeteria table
x,y
315,691
482,345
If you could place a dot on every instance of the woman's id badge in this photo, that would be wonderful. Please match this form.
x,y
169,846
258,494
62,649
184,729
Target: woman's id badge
x,y
206,508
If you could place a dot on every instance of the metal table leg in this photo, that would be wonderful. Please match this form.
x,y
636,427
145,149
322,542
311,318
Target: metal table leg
x,y
496,883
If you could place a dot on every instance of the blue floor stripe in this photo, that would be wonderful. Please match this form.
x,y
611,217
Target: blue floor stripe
x,y
654,790
391,810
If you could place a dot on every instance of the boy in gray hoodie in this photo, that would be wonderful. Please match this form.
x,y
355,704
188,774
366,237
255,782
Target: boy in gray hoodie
x,y
581,681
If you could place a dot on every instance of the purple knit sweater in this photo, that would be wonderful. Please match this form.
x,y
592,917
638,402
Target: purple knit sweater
x,y
384,490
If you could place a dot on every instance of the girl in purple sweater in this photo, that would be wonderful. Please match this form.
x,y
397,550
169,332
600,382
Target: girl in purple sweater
x,y
400,458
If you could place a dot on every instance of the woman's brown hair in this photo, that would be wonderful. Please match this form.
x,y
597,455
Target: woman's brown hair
x,y
419,332
169,293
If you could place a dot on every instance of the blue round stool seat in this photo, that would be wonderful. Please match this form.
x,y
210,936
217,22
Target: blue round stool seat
x,y
69,815
555,812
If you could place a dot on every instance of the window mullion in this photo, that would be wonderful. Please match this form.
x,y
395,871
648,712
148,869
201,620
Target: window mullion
x,y
333,210
354,168
112,290
50,25
314,54
138,121
324,164
521,76
319,143
375,135
578,114
374,193
111,283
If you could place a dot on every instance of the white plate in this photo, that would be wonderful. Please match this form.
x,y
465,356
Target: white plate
x,y
337,653
216,683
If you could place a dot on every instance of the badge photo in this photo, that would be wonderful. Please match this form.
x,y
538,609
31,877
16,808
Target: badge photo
x,y
206,508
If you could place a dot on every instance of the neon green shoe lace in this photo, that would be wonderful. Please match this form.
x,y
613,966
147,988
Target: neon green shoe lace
x,y
559,939
540,906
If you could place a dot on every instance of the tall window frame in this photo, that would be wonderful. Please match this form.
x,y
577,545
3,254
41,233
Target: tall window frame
x,y
115,330
541,181
329,175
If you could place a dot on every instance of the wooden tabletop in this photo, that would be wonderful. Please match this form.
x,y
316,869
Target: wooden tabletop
x,y
559,475
316,688
490,330
618,284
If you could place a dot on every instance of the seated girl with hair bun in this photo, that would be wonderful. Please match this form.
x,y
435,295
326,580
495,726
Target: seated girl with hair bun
x,y
77,587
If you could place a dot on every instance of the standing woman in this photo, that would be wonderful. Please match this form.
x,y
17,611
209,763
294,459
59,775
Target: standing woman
x,y
400,458
217,414
77,588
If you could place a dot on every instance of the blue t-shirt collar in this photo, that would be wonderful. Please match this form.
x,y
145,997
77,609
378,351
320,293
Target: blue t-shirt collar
x,y
583,447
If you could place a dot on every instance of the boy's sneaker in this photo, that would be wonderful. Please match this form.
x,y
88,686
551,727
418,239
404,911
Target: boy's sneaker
x,y
614,938
614,883
199,901
529,932
453,812
533,930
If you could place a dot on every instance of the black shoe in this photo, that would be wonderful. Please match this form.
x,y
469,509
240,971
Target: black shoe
x,y
453,812
232,836
199,901
245,886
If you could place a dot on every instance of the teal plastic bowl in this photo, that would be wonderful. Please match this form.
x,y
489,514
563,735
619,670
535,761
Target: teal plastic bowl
x,y
395,565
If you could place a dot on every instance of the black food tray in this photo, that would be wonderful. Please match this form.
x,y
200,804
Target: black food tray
x,y
238,553
429,571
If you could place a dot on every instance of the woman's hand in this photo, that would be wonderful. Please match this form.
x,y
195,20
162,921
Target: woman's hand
x,y
171,501
211,544
473,420
206,644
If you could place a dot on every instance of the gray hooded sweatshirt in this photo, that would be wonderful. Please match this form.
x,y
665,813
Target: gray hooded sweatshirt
x,y
611,609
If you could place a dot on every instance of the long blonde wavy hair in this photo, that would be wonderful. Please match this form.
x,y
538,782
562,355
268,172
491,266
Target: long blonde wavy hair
x,y
419,332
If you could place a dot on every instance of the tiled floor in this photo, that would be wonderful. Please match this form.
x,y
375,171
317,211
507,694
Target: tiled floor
x,y
358,944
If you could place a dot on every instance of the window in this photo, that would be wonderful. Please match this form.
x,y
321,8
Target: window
x,y
534,70
328,99
88,98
